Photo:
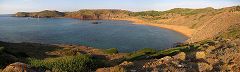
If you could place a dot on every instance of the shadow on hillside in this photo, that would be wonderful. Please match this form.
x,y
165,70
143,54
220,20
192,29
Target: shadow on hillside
x,y
33,50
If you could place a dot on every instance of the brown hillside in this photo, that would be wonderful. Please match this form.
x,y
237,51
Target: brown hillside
x,y
215,25
206,24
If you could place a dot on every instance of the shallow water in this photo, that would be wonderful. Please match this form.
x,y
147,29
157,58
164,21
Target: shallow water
x,y
108,34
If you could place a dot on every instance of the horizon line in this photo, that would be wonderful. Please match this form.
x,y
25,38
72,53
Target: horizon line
x,y
120,9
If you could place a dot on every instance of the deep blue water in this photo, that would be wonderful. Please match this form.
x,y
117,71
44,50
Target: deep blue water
x,y
109,34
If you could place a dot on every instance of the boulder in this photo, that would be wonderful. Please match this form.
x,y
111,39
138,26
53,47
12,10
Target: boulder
x,y
204,67
200,55
180,56
126,63
18,67
209,49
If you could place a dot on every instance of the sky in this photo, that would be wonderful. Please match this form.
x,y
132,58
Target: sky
x,y
13,6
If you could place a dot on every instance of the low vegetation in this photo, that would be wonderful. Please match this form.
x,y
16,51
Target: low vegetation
x,y
79,63
111,51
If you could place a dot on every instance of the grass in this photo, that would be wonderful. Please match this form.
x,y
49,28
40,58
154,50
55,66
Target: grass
x,y
111,51
140,54
79,63
149,53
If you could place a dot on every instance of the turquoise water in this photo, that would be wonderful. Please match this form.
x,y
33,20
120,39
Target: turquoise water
x,y
108,34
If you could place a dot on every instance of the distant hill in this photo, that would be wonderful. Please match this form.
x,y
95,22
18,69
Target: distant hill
x,y
42,14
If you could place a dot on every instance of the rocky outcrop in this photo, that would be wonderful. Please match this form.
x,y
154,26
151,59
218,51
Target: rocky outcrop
x,y
18,67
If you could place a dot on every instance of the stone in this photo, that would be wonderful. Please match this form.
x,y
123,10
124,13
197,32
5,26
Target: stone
x,y
200,55
126,63
180,56
18,67
204,67
166,59
210,48
103,70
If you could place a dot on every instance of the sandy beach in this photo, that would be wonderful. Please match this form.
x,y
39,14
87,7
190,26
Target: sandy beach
x,y
181,29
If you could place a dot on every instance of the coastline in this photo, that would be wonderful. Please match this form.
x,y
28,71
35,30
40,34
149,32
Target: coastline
x,y
180,29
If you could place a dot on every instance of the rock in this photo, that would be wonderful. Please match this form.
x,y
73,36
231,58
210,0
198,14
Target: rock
x,y
166,59
96,22
212,60
18,67
205,45
200,55
126,63
180,56
210,48
203,67
103,70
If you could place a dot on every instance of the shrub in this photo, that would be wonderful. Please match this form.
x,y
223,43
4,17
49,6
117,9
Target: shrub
x,y
20,54
2,50
2,60
5,58
140,54
79,63
111,51
171,51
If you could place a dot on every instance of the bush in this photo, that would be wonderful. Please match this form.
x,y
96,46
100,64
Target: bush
x,y
2,60
5,58
2,49
79,63
111,51
141,54
171,51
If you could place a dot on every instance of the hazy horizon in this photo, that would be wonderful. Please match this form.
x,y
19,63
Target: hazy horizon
x,y
13,6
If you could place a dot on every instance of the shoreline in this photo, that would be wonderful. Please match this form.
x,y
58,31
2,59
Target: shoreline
x,y
180,29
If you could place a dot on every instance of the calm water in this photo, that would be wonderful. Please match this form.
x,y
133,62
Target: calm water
x,y
109,34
